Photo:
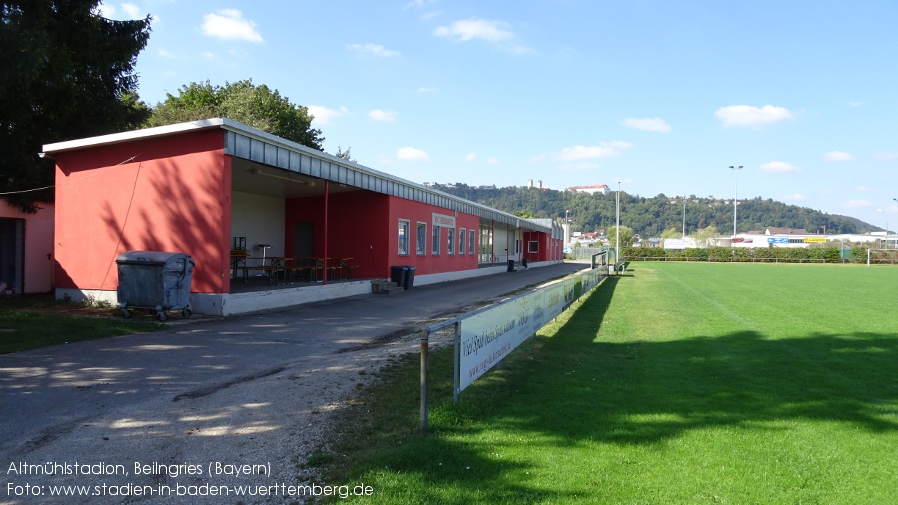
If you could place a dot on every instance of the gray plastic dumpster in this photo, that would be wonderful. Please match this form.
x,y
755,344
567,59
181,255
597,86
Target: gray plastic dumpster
x,y
154,280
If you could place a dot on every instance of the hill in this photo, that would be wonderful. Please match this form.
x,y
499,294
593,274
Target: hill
x,y
651,216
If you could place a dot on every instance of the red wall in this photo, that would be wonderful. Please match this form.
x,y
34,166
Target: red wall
x,y
357,228
365,226
428,264
165,194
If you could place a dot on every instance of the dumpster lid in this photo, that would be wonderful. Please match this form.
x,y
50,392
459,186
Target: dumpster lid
x,y
149,257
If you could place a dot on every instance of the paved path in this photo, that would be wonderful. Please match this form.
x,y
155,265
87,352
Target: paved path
x,y
243,389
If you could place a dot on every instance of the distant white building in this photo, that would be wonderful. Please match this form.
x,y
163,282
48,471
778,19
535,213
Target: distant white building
x,y
598,188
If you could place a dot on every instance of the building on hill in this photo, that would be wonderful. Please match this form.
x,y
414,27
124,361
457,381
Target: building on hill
x,y
597,188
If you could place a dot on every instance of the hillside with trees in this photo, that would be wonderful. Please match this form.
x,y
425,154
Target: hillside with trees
x,y
650,217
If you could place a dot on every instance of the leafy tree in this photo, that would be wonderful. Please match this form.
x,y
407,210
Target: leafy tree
x,y
345,154
670,233
65,73
706,237
626,236
242,101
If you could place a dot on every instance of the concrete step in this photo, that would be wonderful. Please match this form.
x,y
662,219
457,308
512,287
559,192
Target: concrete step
x,y
385,287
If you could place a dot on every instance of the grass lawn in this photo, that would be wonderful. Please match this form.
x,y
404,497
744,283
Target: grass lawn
x,y
681,383
34,321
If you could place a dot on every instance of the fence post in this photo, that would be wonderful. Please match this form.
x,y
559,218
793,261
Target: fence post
x,y
424,346
455,372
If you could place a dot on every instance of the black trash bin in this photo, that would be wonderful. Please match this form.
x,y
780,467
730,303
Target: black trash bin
x,y
398,274
511,265
409,277
154,280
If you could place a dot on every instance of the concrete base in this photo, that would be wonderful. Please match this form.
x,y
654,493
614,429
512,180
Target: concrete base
x,y
229,304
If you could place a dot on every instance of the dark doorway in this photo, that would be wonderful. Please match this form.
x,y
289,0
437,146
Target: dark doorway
x,y
12,254
303,241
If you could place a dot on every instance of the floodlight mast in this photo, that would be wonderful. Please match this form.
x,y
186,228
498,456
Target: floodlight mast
x,y
735,195
617,229
896,223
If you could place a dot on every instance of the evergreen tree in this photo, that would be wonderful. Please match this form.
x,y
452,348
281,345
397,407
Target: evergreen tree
x,y
65,73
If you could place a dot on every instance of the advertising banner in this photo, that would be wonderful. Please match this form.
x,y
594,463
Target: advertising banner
x,y
487,337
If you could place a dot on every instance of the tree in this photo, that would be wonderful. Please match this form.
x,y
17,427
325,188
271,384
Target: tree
x,y
670,233
256,106
65,73
345,154
706,237
626,236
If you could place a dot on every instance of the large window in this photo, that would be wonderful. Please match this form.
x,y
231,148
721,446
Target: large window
x,y
435,241
450,241
472,243
421,239
533,246
403,237
461,240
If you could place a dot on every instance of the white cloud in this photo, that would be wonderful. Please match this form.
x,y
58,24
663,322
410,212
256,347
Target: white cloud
x,y
838,156
106,11
750,116
387,116
855,104
132,11
865,189
324,115
411,154
166,54
603,150
229,24
856,204
495,32
797,197
492,161
469,29
649,124
418,3
884,156
372,50
778,167
426,89
470,157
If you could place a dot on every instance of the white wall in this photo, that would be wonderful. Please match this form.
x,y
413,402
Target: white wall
x,y
261,220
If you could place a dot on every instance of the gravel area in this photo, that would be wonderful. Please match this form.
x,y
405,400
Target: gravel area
x,y
209,405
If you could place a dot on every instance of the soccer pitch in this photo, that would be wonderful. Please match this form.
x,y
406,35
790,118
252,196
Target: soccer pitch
x,y
678,383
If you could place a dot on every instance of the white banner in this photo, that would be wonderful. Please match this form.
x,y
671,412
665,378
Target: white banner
x,y
489,336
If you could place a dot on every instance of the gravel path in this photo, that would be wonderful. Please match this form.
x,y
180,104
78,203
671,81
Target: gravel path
x,y
208,406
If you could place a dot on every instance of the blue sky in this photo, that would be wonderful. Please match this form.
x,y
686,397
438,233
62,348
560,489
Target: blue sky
x,y
660,95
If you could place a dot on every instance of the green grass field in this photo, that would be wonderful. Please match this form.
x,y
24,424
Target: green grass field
x,y
677,384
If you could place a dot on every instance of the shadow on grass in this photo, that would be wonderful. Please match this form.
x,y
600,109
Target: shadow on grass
x,y
571,389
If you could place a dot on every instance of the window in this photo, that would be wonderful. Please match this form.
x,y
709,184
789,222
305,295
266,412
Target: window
x,y
461,240
450,241
533,246
435,241
421,239
472,242
403,237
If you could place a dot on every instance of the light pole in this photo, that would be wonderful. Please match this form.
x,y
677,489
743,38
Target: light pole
x,y
684,217
617,230
896,225
735,195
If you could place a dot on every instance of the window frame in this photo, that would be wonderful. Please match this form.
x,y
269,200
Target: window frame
x,y
421,239
404,240
462,241
435,240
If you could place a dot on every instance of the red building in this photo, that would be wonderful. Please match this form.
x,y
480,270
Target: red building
x,y
207,187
